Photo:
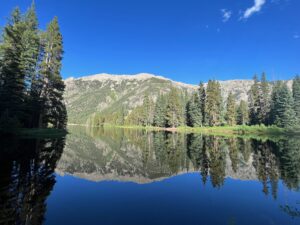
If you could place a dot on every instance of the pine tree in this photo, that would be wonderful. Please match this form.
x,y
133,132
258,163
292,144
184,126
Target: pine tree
x,y
242,113
254,101
174,112
296,96
31,87
231,110
264,101
12,89
194,114
30,63
146,111
159,112
53,85
213,104
31,46
282,112
202,98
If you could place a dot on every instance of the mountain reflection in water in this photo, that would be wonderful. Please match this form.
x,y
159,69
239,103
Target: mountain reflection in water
x,y
28,168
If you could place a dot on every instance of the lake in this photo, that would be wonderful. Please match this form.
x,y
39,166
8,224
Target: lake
x,y
127,176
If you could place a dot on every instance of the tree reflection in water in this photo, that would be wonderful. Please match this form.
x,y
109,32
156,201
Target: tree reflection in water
x,y
27,178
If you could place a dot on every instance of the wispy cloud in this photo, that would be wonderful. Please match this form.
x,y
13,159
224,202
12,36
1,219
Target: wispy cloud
x,y
254,9
226,14
296,36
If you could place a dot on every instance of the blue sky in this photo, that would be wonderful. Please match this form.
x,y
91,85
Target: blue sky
x,y
185,40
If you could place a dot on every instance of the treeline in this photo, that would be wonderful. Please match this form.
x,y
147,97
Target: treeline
x,y
31,86
269,103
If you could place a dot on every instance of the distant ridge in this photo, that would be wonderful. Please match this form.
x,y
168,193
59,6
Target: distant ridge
x,y
109,93
122,77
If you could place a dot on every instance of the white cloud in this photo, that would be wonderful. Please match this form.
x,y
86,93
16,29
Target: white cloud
x,y
255,8
226,14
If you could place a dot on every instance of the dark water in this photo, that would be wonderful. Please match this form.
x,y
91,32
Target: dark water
x,y
117,176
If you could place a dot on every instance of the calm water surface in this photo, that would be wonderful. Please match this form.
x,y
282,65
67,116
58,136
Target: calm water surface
x,y
117,176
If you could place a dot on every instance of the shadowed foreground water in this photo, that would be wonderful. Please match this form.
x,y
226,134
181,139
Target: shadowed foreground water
x,y
117,176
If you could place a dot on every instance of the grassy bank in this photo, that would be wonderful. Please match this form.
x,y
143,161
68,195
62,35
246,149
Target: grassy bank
x,y
237,130
37,132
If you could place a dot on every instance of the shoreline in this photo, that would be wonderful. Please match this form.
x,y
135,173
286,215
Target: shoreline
x,y
219,130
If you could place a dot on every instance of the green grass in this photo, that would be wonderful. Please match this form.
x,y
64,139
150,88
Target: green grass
x,y
257,131
224,130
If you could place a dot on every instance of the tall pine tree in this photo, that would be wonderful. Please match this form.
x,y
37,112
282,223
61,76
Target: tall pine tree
x,y
12,89
159,112
296,96
202,98
194,114
254,101
264,101
231,110
213,104
53,107
282,111
174,108
242,113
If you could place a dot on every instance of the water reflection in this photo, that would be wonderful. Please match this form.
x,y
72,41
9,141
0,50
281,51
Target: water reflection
x,y
141,156
27,178
28,167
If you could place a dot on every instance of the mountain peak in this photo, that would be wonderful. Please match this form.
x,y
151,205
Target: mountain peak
x,y
117,77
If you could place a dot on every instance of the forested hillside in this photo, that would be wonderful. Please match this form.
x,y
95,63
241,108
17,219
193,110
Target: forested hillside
x,y
110,95
148,100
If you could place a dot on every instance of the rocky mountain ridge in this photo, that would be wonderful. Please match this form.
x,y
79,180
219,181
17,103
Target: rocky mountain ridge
x,y
107,93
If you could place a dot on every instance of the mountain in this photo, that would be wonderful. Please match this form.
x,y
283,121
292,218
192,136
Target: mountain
x,y
107,94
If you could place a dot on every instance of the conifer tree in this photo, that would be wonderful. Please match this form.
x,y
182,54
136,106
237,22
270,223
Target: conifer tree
x,y
159,112
146,111
213,104
31,87
231,110
242,113
30,63
174,109
202,98
53,108
254,101
194,114
296,96
264,101
12,89
282,111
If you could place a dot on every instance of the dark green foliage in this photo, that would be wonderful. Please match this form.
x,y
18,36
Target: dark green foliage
x,y
202,98
282,112
53,108
213,104
12,89
31,87
259,101
264,101
159,119
194,112
296,96
174,109
242,113
147,111
231,110
253,99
